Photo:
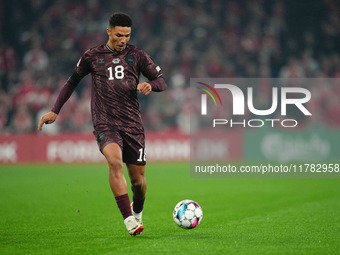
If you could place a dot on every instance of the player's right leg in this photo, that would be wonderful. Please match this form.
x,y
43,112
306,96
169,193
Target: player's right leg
x,y
113,155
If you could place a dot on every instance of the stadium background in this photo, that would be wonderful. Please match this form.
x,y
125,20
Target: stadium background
x,y
53,208
41,41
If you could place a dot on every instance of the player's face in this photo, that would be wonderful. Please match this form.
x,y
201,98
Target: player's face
x,y
118,37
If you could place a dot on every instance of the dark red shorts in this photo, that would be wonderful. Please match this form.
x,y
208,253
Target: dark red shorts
x,y
132,145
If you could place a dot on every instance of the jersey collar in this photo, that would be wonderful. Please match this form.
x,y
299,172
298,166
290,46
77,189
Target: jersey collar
x,y
112,50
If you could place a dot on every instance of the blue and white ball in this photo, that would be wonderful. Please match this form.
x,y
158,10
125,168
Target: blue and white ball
x,y
187,214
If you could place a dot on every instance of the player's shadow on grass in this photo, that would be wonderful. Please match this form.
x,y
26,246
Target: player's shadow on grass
x,y
169,236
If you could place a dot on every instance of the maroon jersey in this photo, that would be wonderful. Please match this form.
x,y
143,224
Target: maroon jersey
x,y
115,76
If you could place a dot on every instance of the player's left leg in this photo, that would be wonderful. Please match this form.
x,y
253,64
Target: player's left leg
x,y
138,187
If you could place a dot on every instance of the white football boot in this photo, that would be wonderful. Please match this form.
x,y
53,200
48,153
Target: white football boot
x,y
138,216
132,226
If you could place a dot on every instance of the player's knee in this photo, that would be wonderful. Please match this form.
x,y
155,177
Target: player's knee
x,y
138,181
115,164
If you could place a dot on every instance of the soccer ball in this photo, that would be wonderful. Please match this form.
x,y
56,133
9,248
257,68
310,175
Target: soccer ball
x,y
187,214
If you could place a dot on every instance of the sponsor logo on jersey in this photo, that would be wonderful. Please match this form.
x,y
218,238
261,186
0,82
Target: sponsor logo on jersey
x,y
101,62
115,60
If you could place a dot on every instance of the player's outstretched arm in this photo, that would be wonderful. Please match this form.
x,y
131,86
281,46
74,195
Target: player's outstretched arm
x,y
48,118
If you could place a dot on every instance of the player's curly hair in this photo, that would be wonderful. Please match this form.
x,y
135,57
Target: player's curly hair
x,y
120,19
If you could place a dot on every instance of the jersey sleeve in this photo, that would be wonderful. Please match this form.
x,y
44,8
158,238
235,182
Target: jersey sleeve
x,y
153,72
148,67
82,68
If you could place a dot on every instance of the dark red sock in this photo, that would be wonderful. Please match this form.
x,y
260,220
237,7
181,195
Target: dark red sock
x,y
138,205
123,203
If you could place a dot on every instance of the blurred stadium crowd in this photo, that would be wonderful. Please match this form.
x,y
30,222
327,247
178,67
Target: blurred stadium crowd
x,y
42,40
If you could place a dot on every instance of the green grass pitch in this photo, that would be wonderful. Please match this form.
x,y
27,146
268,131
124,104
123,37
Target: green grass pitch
x,y
69,209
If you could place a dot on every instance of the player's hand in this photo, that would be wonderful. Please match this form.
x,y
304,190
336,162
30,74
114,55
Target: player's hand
x,y
48,118
144,88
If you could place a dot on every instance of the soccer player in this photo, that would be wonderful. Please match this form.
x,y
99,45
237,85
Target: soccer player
x,y
115,68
